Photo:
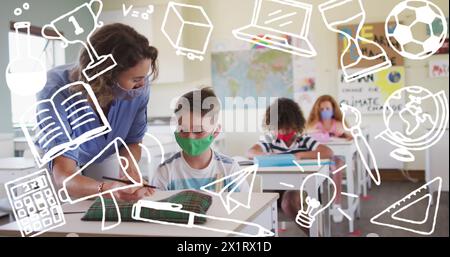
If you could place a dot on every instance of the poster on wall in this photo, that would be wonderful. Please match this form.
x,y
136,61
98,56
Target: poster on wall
x,y
305,79
438,69
374,32
368,94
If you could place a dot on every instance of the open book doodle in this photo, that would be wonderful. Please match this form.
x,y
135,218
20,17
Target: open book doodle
x,y
64,121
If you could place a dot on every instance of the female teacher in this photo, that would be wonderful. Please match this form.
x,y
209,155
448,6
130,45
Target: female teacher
x,y
123,95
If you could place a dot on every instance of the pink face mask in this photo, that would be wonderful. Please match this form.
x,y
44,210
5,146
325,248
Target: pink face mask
x,y
286,137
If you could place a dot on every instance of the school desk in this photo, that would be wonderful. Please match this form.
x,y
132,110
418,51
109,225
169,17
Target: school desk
x,y
20,145
277,178
12,168
436,165
263,211
3,214
343,147
353,181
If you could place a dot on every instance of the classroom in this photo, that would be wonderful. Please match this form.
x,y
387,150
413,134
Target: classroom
x,y
224,118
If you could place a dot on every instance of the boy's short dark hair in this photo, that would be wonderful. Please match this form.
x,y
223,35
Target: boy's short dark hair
x,y
289,115
202,101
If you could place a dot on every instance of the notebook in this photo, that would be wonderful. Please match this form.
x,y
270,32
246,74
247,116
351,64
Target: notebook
x,y
193,201
276,160
284,160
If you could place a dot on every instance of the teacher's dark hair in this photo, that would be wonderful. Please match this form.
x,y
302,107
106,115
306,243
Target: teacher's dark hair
x,y
128,48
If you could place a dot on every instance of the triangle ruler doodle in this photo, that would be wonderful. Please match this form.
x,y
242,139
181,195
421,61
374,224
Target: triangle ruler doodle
x,y
396,215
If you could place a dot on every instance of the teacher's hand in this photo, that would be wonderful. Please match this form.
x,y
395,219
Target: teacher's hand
x,y
130,194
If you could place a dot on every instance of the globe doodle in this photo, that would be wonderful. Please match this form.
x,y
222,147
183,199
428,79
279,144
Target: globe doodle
x,y
421,129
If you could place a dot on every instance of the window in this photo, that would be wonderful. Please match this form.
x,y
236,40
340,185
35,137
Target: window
x,y
50,51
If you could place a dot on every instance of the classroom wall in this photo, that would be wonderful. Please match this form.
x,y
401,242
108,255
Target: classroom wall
x,y
41,12
227,15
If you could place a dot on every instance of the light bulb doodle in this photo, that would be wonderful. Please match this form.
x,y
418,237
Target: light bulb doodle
x,y
310,206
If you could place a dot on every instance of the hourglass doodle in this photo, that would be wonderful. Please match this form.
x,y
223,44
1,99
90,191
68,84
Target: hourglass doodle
x,y
25,74
336,13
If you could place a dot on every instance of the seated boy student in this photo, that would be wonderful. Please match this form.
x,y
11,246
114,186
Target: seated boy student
x,y
197,164
286,136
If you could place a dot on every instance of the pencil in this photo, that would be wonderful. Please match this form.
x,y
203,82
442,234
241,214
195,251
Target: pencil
x,y
125,181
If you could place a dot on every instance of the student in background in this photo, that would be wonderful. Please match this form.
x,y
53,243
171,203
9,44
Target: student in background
x,y
286,136
197,164
325,122
326,118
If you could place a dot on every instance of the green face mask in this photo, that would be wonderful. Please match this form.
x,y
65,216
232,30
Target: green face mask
x,y
194,146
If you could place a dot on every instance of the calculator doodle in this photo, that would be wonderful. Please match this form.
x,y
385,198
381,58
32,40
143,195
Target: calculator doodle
x,y
35,204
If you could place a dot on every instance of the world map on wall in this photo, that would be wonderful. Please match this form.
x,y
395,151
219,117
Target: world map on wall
x,y
252,73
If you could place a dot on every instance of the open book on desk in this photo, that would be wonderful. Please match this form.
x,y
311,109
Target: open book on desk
x,y
64,121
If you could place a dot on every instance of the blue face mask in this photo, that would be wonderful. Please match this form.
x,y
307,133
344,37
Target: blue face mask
x,y
130,94
326,114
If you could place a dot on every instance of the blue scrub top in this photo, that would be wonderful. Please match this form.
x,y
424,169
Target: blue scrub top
x,y
127,119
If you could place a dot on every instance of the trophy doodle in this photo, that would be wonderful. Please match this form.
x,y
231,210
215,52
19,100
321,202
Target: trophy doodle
x,y
82,30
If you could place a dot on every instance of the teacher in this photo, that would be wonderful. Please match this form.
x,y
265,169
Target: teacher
x,y
123,94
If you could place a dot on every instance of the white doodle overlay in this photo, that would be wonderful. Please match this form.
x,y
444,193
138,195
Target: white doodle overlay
x,y
281,25
124,164
18,11
147,156
360,141
201,26
25,74
137,207
137,14
415,117
35,204
51,123
329,10
226,192
408,224
147,150
413,46
310,207
82,35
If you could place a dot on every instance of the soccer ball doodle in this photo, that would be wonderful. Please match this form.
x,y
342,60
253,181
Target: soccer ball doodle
x,y
407,24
